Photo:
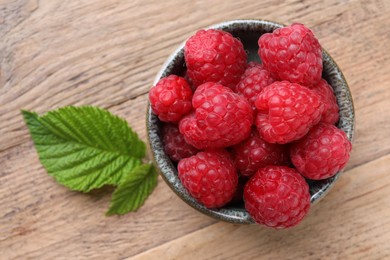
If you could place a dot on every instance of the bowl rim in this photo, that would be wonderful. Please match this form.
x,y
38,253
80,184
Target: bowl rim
x,y
168,171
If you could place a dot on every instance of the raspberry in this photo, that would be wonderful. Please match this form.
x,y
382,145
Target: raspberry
x,y
253,81
171,98
210,177
331,111
322,152
254,153
221,118
215,56
277,196
286,112
174,144
292,53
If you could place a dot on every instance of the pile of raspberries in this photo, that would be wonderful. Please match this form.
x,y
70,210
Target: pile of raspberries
x,y
250,131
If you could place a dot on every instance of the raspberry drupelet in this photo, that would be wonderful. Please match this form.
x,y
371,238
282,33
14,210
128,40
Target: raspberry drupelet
x,y
254,153
210,177
174,144
286,112
221,118
214,56
171,98
292,53
253,81
323,152
277,197
331,108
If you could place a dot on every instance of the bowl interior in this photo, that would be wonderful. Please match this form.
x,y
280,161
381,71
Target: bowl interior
x,y
248,31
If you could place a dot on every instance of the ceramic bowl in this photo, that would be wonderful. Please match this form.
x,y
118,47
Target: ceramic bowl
x,y
248,31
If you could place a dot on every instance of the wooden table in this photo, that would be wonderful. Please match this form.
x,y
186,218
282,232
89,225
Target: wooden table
x,y
106,53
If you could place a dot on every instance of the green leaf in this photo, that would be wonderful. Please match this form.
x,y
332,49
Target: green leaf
x,y
132,193
84,148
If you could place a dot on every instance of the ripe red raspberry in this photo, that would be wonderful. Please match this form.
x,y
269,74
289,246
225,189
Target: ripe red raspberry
x,y
253,81
322,152
174,144
215,56
255,153
286,112
171,98
292,53
277,196
209,177
222,118
331,109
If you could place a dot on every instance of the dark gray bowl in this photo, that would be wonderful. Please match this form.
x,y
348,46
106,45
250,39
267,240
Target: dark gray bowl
x,y
248,31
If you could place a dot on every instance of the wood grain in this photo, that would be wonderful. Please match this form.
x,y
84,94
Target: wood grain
x,y
106,53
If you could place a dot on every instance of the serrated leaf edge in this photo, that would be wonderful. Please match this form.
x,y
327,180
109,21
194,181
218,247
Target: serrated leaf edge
x,y
137,179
